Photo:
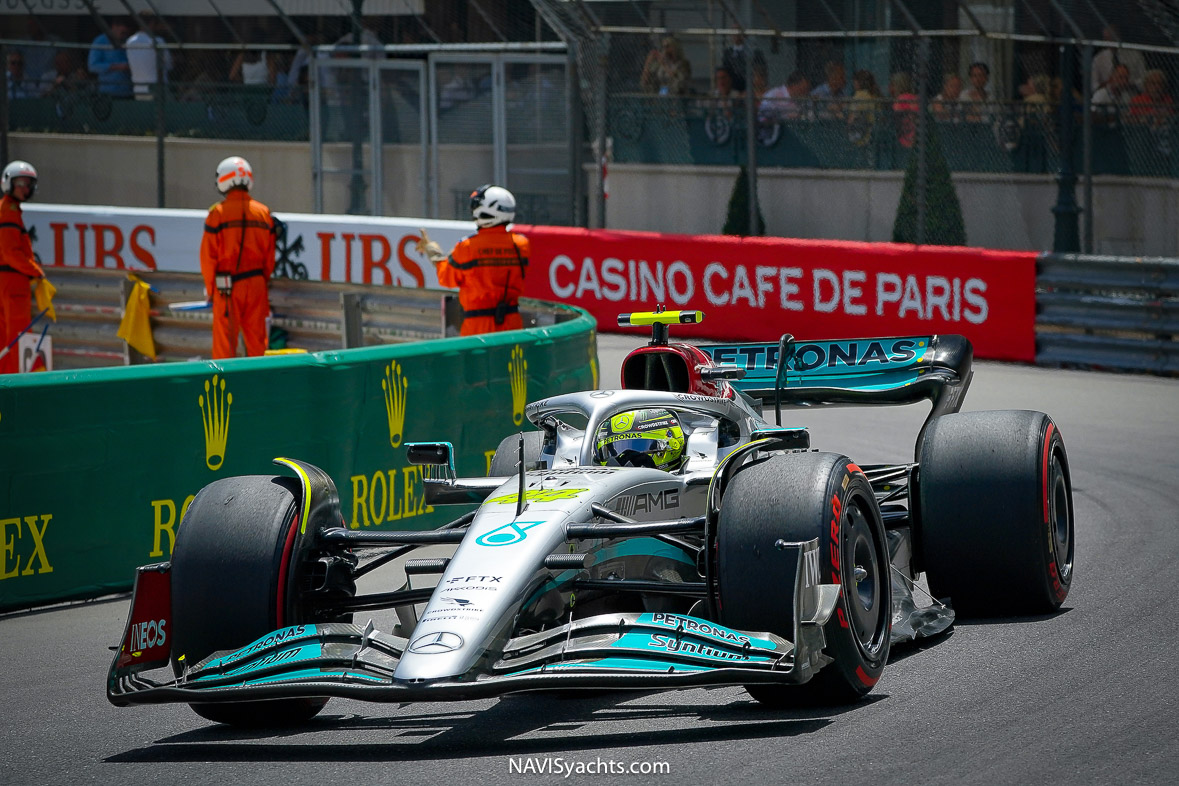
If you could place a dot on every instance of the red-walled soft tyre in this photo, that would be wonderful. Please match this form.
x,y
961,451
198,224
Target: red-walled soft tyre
x,y
234,554
798,497
996,514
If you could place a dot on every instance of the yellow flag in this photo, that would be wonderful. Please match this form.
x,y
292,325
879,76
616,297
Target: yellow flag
x,y
135,328
44,294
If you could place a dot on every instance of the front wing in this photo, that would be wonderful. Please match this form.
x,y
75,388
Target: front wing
x,y
647,651
642,651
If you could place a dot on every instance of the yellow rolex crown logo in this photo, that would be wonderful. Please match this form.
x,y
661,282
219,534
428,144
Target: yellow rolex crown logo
x,y
395,386
518,374
214,406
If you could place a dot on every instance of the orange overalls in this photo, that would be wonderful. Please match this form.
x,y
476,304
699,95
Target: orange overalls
x,y
18,267
237,259
488,268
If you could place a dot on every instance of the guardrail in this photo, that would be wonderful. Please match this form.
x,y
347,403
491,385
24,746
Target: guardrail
x,y
315,316
1107,312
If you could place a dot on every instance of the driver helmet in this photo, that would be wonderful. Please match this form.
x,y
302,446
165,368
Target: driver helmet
x,y
641,438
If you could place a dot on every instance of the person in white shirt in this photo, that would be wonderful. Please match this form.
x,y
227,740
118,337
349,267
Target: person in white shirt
x,y
141,55
787,102
1105,61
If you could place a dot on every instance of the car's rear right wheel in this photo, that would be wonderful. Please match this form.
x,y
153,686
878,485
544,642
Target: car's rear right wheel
x,y
995,513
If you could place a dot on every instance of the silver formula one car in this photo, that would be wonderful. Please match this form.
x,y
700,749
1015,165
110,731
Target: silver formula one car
x,y
663,535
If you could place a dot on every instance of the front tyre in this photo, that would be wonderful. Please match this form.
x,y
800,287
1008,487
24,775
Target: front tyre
x,y
235,553
996,513
799,497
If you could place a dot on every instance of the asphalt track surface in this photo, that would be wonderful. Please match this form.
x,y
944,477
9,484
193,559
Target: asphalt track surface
x,y
1088,695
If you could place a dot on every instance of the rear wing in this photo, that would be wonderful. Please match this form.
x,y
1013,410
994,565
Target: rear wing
x,y
860,371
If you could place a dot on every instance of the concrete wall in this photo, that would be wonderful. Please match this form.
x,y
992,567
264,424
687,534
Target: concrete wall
x,y
1131,215
1005,211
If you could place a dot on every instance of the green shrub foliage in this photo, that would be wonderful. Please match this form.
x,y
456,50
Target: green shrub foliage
x,y
737,221
943,214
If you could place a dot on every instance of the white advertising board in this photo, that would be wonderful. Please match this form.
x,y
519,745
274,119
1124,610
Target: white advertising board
x,y
355,249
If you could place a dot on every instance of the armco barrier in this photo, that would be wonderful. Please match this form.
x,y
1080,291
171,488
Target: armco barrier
x,y
315,316
757,288
1108,312
98,465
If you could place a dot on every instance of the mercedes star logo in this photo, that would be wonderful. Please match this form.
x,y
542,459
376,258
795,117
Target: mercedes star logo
x,y
432,643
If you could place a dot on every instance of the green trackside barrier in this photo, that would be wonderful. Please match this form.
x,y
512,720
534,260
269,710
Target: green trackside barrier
x,y
98,466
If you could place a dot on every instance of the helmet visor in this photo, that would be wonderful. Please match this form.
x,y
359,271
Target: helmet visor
x,y
625,451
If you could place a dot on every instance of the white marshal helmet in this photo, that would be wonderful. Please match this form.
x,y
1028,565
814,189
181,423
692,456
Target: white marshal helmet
x,y
18,169
234,172
492,206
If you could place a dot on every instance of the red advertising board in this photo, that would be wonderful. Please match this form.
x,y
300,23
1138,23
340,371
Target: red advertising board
x,y
755,289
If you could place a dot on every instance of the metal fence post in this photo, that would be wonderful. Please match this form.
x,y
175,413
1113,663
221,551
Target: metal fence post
x,y
352,333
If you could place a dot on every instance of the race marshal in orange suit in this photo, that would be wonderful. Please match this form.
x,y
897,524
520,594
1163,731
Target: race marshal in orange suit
x,y
488,267
18,266
237,260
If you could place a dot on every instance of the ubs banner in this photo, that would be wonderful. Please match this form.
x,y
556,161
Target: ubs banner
x,y
98,466
756,289
355,249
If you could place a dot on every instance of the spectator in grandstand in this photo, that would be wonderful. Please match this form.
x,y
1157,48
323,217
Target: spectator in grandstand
x,y
19,85
861,115
979,93
254,67
108,59
18,265
666,71
761,81
141,56
237,261
904,107
368,37
39,56
1036,89
827,95
1105,61
723,98
459,88
1154,106
488,267
1112,100
947,106
68,74
787,102
1037,100
733,59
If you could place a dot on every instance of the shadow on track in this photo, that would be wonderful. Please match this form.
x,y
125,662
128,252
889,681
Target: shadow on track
x,y
496,731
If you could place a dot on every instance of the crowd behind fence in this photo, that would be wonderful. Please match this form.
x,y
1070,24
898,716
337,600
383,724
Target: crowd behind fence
x,y
822,105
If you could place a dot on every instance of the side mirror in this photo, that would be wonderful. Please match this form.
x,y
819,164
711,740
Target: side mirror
x,y
710,373
433,454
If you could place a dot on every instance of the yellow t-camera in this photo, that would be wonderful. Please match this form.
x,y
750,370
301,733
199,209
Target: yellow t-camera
x,y
641,318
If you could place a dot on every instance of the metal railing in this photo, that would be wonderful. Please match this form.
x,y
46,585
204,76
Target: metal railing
x,y
312,316
1117,313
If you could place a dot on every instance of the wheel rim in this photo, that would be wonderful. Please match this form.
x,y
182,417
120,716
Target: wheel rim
x,y
1060,518
863,579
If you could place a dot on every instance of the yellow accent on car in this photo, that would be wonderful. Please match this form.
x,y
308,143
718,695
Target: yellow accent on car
x,y
661,318
306,491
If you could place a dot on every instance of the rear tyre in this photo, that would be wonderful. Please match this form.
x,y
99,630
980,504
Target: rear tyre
x,y
503,463
996,513
235,552
798,497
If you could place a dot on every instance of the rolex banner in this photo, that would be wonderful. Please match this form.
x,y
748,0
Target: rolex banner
x,y
98,466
